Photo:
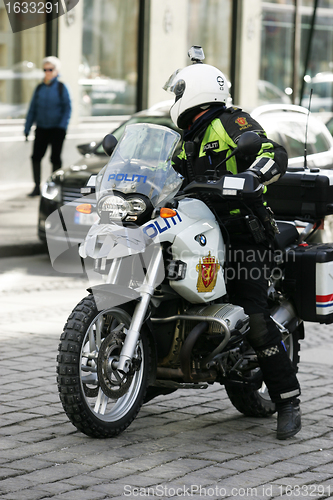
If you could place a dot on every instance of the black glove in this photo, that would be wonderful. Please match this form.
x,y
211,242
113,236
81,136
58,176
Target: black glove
x,y
253,173
252,179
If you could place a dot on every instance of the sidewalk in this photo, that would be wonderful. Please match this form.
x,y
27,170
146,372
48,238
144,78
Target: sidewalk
x,y
15,152
19,218
19,213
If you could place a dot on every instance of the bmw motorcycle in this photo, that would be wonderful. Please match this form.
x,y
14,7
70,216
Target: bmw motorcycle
x,y
157,317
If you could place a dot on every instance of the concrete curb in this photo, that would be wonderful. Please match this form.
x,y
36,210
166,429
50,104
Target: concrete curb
x,y
24,250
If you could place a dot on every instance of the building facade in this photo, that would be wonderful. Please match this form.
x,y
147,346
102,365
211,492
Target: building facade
x,y
116,55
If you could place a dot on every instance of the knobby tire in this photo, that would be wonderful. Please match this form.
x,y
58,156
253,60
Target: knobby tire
x,y
74,394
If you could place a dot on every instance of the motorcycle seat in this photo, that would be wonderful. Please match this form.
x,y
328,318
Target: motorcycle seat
x,y
288,234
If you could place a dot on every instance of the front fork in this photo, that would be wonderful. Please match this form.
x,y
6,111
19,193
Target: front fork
x,y
146,291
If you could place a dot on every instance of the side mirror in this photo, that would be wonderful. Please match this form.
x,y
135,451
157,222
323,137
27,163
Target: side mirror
x,y
109,143
249,144
86,148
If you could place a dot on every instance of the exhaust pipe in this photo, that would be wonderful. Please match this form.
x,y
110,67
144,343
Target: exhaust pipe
x,y
185,356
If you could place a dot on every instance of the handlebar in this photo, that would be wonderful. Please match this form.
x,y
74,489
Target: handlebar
x,y
244,186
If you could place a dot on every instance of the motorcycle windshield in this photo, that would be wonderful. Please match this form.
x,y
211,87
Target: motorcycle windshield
x,y
141,163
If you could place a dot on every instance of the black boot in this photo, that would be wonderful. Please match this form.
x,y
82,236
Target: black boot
x,y
36,174
289,419
35,192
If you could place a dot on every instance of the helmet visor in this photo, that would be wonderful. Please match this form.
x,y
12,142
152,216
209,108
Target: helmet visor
x,y
170,83
175,85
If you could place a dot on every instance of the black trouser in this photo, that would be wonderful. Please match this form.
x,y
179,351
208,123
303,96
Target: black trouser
x,y
247,284
44,137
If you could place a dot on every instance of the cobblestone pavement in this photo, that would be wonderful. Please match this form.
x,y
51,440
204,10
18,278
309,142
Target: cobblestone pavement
x,y
190,444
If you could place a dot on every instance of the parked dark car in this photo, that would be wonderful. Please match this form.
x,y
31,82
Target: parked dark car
x,y
286,124
64,186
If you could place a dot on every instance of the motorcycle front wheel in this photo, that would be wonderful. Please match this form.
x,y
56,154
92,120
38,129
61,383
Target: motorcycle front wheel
x,y
257,403
99,400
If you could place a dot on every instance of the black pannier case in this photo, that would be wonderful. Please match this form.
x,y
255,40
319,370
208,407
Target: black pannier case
x,y
309,281
305,194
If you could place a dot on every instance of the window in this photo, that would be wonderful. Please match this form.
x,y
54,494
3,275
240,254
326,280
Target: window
x,y
277,44
21,56
278,18
109,57
209,25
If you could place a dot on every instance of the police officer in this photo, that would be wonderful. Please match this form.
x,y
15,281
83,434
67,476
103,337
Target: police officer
x,y
211,132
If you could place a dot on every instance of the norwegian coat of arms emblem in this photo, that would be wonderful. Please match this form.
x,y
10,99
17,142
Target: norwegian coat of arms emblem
x,y
207,270
242,122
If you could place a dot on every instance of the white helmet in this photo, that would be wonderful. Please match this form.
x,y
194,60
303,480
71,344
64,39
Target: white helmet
x,y
196,88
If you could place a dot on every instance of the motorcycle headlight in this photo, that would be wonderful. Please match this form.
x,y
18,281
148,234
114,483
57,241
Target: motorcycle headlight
x,y
51,191
119,208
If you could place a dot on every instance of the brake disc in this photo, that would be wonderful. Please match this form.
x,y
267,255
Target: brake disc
x,y
113,383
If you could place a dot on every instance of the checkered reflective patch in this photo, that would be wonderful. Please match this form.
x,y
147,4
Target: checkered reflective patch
x,y
270,351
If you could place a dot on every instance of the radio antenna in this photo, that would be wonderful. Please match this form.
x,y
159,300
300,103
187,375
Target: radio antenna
x,y
306,131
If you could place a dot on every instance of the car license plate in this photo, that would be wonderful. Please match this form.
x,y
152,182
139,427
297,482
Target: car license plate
x,y
85,219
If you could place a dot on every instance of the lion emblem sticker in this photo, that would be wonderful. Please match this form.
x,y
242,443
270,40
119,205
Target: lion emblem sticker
x,y
207,270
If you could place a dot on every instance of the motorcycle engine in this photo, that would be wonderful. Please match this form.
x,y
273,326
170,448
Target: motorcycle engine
x,y
233,315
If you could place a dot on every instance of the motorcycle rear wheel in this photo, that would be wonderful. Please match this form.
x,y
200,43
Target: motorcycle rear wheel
x,y
257,403
98,400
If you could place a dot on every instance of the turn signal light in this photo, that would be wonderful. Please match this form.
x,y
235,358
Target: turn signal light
x,y
85,208
165,213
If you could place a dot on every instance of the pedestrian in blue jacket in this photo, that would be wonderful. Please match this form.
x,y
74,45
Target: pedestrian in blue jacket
x,y
50,110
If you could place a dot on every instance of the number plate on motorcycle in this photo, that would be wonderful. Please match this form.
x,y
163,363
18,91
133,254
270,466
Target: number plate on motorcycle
x,y
85,219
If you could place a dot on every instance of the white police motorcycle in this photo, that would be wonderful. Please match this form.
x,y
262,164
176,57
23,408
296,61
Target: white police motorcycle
x,y
157,318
